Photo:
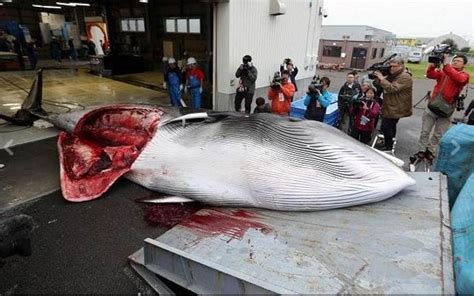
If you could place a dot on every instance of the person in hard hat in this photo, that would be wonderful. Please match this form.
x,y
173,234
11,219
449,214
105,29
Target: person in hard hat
x,y
173,82
194,78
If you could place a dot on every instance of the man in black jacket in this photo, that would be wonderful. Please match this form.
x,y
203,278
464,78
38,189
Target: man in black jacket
x,y
248,75
349,91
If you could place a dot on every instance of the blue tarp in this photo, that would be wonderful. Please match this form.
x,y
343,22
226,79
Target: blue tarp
x,y
456,160
456,157
332,113
462,222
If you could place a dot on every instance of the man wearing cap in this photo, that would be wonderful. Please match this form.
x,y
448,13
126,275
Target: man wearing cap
x,y
247,74
194,78
173,82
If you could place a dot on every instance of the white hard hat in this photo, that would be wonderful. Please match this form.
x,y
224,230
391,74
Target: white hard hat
x,y
165,59
171,61
191,61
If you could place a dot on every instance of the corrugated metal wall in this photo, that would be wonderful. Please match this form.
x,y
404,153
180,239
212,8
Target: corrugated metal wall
x,y
246,27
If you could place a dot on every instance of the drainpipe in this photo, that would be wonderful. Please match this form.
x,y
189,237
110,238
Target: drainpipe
x,y
214,55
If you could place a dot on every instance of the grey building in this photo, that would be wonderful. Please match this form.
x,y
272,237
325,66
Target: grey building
x,y
355,47
461,42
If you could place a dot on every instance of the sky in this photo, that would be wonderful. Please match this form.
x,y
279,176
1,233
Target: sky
x,y
406,18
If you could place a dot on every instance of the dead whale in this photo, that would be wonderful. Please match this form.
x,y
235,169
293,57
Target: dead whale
x,y
222,159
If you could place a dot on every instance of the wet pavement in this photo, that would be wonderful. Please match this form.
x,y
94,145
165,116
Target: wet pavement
x,y
82,248
72,88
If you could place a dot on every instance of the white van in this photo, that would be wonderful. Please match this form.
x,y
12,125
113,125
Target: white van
x,y
415,56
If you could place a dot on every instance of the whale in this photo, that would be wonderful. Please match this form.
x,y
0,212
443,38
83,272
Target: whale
x,y
218,158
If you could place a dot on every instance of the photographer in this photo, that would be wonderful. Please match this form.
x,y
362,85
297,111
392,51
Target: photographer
x,y
450,80
366,111
348,92
317,99
280,93
397,99
292,69
248,75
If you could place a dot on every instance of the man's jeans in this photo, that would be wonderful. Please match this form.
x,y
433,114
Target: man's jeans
x,y
430,120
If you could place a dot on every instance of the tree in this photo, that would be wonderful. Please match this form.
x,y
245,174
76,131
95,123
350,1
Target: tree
x,y
465,49
454,46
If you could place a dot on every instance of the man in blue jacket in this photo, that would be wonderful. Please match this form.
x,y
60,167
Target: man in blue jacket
x,y
317,99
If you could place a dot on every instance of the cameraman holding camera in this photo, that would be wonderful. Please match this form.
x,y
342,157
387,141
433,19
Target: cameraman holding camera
x,y
280,93
450,80
397,99
317,99
248,75
292,69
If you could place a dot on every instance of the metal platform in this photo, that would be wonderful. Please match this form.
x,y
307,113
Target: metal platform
x,y
402,245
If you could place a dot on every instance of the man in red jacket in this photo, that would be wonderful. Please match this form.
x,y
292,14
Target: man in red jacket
x,y
450,80
280,94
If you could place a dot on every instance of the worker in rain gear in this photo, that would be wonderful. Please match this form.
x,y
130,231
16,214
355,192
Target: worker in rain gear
x,y
194,80
173,82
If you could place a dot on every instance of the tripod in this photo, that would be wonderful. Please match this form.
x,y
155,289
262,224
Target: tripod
x,y
427,96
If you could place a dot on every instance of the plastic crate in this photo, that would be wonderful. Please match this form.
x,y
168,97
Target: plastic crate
x,y
332,113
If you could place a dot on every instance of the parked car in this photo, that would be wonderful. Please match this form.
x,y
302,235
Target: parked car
x,y
415,56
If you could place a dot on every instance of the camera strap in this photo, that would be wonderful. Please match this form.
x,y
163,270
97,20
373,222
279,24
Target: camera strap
x,y
442,86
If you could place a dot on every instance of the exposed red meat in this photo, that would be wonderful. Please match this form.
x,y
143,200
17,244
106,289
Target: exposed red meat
x,y
103,147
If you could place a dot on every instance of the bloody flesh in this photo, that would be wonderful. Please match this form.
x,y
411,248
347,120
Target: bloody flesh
x,y
103,147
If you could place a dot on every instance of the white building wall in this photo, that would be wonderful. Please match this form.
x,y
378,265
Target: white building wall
x,y
355,33
336,32
246,27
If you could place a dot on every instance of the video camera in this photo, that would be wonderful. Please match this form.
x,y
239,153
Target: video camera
x,y
15,235
383,67
460,102
436,53
313,88
276,82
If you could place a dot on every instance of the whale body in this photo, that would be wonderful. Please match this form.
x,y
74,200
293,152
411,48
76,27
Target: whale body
x,y
261,160
223,159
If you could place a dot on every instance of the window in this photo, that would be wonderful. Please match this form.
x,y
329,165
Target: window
x,y
374,53
170,26
382,52
332,51
183,25
140,25
195,26
132,25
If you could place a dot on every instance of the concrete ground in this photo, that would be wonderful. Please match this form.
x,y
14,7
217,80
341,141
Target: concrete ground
x,y
83,248
70,87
